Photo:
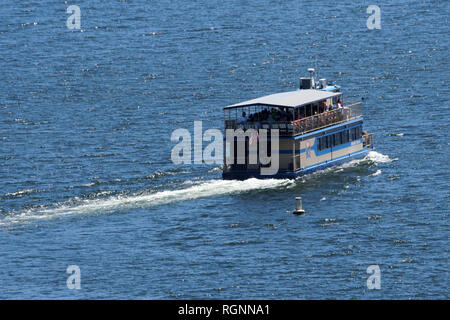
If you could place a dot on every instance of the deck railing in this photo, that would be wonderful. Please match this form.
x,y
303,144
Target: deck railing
x,y
293,128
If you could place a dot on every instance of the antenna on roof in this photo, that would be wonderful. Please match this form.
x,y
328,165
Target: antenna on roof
x,y
311,76
315,65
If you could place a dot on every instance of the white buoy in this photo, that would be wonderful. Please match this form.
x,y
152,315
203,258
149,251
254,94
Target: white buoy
x,y
298,206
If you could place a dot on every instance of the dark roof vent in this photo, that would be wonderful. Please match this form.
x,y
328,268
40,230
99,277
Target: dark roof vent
x,y
306,83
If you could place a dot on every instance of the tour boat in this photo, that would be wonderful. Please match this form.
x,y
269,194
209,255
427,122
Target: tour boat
x,y
315,128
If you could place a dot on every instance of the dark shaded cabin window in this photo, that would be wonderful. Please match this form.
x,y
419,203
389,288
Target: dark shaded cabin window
x,y
353,134
345,136
235,150
337,139
247,149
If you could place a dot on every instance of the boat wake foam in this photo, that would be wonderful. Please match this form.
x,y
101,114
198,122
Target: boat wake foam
x,y
118,203
193,190
376,173
372,157
378,157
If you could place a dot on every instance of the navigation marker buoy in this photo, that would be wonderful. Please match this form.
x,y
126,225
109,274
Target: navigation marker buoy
x,y
298,206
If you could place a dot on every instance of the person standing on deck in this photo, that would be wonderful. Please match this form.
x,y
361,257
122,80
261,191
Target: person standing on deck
x,y
243,119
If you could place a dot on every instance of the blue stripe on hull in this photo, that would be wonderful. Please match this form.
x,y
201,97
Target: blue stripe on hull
x,y
292,175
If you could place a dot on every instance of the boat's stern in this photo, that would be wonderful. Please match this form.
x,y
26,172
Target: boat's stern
x,y
368,142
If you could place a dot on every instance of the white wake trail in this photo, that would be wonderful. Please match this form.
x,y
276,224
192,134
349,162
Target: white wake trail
x,y
116,203
201,190
379,157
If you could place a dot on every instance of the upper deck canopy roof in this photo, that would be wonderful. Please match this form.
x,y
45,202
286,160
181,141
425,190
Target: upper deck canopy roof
x,y
289,99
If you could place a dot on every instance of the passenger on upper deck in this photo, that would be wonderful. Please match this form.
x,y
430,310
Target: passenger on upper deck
x,y
266,115
243,119
329,107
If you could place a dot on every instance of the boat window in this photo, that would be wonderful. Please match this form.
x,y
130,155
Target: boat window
x,y
345,136
315,109
269,148
353,134
235,140
329,141
337,139
308,110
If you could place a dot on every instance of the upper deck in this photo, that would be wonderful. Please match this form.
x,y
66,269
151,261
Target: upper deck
x,y
292,113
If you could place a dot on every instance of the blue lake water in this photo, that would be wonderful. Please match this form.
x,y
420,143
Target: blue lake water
x,y
86,177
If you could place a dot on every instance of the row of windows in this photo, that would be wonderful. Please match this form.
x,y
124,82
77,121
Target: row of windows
x,y
338,138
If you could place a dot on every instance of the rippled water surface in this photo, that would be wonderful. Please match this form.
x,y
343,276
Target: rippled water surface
x,y
86,178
